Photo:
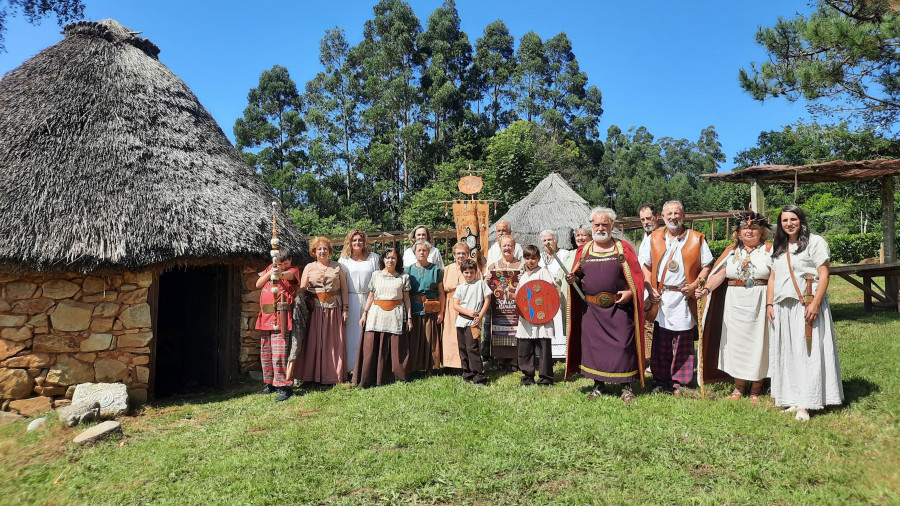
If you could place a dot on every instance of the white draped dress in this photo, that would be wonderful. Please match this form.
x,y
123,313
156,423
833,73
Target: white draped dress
x,y
358,275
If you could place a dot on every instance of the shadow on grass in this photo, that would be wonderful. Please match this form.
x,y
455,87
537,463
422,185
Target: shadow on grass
x,y
855,312
858,388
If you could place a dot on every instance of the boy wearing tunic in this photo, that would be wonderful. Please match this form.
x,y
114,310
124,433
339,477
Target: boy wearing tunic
x,y
471,300
532,336
274,343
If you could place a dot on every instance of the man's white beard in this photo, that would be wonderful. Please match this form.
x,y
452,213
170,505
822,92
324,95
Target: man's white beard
x,y
673,226
649,228
601,236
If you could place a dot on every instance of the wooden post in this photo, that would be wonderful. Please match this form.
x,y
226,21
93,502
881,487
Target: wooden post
x,y
888,215
757,200
712,229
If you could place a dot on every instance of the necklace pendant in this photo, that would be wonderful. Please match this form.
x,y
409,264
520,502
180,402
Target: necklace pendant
x,y
673,266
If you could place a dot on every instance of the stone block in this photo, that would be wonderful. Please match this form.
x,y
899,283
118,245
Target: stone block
x,y
128,287
6,417
32,306
113,397
4,306
17,290
80,412
86,357
59,289
139,340
106,309
143,374
70,392
109,370
136,297
141,360
54,391
137,396
36,424
39,320
142,279
9,348
31,360
17,334
71,316
56,343
97,342
93,284
98,432
15,384
31,407
101,324
69,371
136,351
100,297
250,296
8,320
61,403
136,316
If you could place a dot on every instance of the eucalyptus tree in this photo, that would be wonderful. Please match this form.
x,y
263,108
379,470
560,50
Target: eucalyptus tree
x,y
271,133
35,10
445,79
495,66
530,76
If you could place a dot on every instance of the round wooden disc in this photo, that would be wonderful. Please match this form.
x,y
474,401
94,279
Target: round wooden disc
x,y
537,309
470,185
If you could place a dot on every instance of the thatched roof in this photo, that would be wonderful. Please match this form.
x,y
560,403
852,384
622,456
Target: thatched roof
x,y
552,205
108,161
835,171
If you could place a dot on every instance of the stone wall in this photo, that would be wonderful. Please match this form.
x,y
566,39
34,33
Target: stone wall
x,y
249,349
58,330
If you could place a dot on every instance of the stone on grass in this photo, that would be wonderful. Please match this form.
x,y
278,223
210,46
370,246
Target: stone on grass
x,y
33,406
98,432
6,417
14,384
113,397
37,423
77,413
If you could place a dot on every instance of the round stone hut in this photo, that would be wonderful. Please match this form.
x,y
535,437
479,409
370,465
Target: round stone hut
x,y
131,230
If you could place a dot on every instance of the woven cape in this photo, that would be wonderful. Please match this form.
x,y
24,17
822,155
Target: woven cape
x,y
632,269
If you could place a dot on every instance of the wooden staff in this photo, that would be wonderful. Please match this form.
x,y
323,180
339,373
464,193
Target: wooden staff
x,y
566,271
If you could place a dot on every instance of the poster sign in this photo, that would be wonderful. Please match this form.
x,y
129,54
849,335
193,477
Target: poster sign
x,y
504,313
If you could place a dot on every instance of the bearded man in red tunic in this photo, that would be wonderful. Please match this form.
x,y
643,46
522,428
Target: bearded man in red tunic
x,y
606,341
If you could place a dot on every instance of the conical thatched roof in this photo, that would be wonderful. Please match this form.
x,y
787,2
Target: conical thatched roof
x,y
108,161
552,205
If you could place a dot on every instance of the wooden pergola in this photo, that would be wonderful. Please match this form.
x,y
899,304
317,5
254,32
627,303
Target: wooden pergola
x,y
838,171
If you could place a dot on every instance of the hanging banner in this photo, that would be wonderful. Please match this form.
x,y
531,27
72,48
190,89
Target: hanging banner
x,y
472,227
504,313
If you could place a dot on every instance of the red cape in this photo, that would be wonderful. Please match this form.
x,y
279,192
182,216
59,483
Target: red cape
x,y
631,267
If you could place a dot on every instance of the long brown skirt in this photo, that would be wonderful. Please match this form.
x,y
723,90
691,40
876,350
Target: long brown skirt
x,y
423,343
379,360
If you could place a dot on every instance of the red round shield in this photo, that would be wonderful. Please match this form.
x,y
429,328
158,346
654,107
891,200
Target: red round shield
x,y
537,301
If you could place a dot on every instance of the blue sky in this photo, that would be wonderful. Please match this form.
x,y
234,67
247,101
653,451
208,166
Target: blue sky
x,y
669,66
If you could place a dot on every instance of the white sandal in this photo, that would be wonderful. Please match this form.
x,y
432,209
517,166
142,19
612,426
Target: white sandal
x,y
789,409
802,416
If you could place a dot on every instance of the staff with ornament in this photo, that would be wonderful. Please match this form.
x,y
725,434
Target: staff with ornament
x,y
278,284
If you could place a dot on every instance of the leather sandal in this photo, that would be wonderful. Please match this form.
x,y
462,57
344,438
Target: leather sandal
x,y
734,395
628,396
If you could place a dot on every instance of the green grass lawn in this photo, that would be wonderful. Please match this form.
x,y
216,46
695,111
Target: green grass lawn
x,y
438,441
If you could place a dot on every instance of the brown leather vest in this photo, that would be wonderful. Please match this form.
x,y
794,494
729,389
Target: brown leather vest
x,y
690,253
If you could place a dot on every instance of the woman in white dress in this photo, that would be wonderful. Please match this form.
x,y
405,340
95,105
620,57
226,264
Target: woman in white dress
x,y
736,310
803,359
421,233
359,263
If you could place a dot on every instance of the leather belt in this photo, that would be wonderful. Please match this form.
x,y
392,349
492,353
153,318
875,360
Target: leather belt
x,y
326,296
741,282
388,305
267,308
271,308
671,288
602,299
430,305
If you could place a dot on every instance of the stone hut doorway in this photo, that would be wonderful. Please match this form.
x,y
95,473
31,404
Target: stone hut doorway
x,y
196,313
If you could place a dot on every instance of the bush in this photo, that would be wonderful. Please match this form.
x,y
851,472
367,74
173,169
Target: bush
x,y
851,248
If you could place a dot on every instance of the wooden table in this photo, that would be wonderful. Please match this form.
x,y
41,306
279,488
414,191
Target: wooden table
x,y
867,272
